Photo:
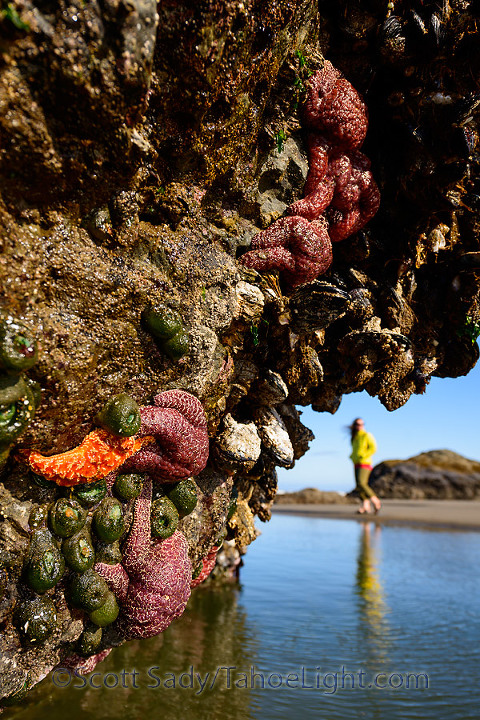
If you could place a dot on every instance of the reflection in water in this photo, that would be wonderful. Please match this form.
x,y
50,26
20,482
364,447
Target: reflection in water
x,y
211,634
310,597
372,606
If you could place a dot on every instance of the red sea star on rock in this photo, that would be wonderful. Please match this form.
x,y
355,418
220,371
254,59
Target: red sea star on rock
x,y
178,424
299,248
347,191
335,109
208,563
340,194
153,582
81,665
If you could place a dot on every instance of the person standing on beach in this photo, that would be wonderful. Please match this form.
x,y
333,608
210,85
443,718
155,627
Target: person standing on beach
x,y
363,448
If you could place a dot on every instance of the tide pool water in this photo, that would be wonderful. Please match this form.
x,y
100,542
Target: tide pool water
x,y
333,618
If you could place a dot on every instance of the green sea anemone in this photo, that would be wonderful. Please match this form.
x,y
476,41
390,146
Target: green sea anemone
x,y
107,613
120,416
88,590
128,487
67,517
108,521
164,518
44,564
36,619
184,496
18,349
78,551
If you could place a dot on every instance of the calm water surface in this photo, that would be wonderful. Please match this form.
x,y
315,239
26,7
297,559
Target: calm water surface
x,y
324,607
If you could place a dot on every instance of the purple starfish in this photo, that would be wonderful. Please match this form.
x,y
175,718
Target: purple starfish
x,y
298,248
178,423
153,582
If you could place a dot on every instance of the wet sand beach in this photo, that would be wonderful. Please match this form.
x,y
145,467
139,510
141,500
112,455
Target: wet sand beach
x,y
451,514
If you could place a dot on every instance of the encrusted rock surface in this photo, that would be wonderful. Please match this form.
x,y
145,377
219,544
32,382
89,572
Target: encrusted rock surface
x,y
142,148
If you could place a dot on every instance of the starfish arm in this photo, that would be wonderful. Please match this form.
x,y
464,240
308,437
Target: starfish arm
x,y
139,538
116,577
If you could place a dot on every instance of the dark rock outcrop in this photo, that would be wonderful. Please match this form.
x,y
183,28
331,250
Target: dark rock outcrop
x,y
436,475
313,496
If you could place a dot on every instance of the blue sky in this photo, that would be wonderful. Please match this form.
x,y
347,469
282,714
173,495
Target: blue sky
x,y
447,416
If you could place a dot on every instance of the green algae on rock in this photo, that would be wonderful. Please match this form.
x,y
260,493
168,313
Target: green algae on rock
x,y
108,521
120,416
36,619
164,518
66,517
184,496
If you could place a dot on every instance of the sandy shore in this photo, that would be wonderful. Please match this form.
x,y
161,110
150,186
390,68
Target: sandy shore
x,y
450,514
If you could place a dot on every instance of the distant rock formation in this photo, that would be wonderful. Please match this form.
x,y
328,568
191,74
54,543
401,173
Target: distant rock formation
x,y
313,496
438,474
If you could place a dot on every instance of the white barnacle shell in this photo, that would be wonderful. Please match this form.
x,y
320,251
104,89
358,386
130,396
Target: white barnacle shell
x,y
274,435
250,301
238,444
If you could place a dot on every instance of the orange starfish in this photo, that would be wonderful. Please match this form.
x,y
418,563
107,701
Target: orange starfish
x,y
97,455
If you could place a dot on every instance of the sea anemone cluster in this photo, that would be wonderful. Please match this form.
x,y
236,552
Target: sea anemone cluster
x,y
139,574
340,194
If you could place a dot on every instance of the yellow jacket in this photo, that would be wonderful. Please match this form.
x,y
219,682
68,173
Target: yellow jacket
x,y
363,447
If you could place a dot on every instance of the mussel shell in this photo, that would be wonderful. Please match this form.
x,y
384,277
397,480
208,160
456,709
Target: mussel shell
x,y
317,305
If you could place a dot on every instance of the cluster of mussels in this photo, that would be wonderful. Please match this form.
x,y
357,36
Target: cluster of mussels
x,y
19,395
146,581
340,193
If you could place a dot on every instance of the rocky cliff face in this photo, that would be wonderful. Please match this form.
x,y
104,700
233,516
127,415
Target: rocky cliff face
x,y
437,475
143,147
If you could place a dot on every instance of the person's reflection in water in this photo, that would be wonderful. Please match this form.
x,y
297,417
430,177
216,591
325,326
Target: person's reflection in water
x,y
372,606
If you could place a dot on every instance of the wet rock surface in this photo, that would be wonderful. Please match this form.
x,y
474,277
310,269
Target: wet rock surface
x,y
143,146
